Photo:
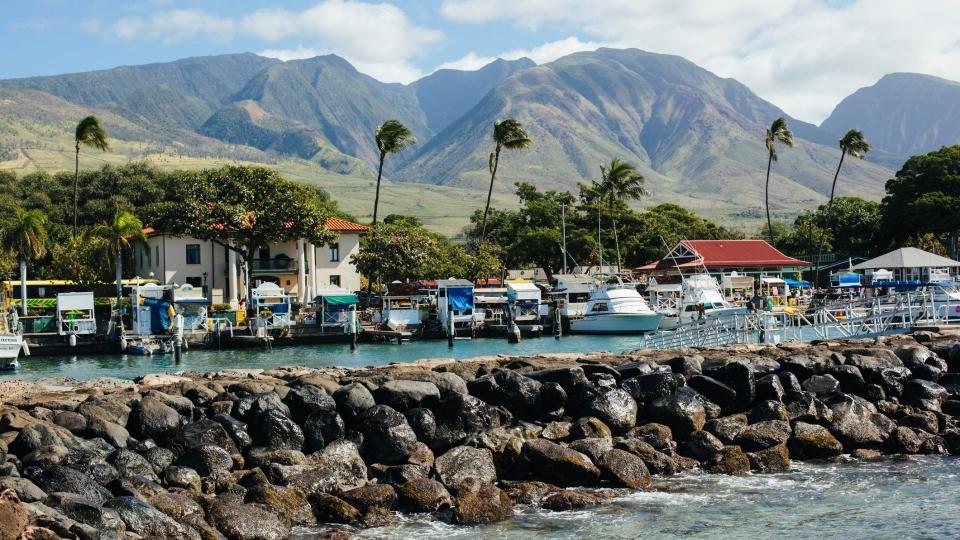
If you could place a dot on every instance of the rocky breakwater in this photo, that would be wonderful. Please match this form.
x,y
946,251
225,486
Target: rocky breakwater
x,y
255,454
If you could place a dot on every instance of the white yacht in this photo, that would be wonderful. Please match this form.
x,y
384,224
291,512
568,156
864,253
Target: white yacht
x,y
616,307
699,289
11,340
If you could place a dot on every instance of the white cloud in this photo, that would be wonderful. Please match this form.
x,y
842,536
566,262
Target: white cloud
x,y
541,54
469,62
803,55
378,39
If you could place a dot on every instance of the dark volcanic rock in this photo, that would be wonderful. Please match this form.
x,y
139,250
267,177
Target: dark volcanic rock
x,y
130,463
768,410
62,478
589,427
850,378
322,427
741,378
593,448
366,497
463,462
247,521
575,499
656,435
559,465
461,416
332,509
682,412
569,379
150,418
658,462
763,435
481,502
518,394
624,468
306,399
715,391
387,437
143,519
810,441
249,407
730,460
852,423
273,429
403,395
206,459
352,400
614,408
770,388
202,432
916,391
646,388
770,460
728,427
821,384
423,423
236,429
904,440
423,495
703,445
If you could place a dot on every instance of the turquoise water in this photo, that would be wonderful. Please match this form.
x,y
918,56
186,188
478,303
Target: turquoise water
x,y
915,498
367,354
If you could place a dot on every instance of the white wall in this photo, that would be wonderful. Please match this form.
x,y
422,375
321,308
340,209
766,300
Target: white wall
x,y
349,244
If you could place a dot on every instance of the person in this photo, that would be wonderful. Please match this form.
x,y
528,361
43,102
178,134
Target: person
x,y
756,303
701,311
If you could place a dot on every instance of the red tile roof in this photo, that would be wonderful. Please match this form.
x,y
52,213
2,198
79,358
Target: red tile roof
x,y
342,225
729,254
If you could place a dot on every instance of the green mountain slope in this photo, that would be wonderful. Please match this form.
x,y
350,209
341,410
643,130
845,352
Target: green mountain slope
x,y
697,138
901,115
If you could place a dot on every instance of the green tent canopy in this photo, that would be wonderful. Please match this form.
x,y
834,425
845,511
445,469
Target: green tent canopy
x,y
337,299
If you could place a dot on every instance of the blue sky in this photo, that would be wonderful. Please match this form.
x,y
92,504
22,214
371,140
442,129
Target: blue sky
x,y
803,55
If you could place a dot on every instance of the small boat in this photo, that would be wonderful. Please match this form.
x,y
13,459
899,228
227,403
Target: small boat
x,y
617,308
149,347
700,290
10,365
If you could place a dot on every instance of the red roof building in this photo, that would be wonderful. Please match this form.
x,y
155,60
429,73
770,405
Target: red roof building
x,y
342,225
744,256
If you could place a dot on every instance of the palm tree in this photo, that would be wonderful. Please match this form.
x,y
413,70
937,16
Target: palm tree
x,y
507,134
619,182
392,137
89,133
26,236
852,143
777,132
116,237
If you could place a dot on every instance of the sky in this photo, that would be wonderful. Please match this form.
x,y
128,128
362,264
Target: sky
x,y
802,55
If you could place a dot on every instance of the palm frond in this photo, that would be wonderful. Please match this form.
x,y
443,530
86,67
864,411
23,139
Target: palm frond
x,y
392,137
26,234
778,132
511,134
90,133
854,143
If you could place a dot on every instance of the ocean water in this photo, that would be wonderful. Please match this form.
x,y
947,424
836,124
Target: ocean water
x,y
366,354
895,499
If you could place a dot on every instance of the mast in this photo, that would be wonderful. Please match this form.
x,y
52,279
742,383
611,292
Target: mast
x,y
599,240
563,226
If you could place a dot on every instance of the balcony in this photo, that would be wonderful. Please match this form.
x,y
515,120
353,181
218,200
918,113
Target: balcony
x,y
278,265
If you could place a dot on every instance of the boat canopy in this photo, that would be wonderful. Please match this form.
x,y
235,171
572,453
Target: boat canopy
x,y
847,279
336,299
767,280
898,283
797,284
460,298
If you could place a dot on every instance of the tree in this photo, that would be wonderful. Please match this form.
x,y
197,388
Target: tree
x,y
26,235
395,252
391,137
244,208
854,144
619,183
507,134
88,133
116,237
777,132
923,198
80,260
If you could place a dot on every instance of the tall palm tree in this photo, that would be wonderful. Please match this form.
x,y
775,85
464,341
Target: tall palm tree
x,y
88,133
392,137
852,143
507,134
117,236
777,132
619,182
26,236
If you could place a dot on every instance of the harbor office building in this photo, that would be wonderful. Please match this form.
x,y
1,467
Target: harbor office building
x,y
738,265
298,267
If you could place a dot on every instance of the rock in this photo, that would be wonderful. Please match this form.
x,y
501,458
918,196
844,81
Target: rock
x,y
703,445
423,423
768,410
403,395
46,456
559,465
461,416
337,467
273,429
646,388
321,428
809,409
615,408
182,477
387,436
289,503
790,382
247,521
331,509
352,400
918,390
566,500
810,441
925,420
656,435
951,439
741,378
73,421
423,495
248,407
904,440
688,366
448,383
769,388
24,489
850,378
83,511
926,372
682,412
625,469
378,516
366,497
867,454
236,429
106,409
481,502
770,460
63,478
203,432
13,516
821,384
143,519
558,431
890,379
159,458
715,391
873,359
729,460
852,424
130,463
763,435
569,379
728,427
529,492
463,462
590,427
206,459
307,399
518,394
657,462
592,448
150,418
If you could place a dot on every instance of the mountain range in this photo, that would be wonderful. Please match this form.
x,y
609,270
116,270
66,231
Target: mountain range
x,y
696,137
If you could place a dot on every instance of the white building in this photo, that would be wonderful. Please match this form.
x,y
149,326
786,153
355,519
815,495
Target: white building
x,y
299,267
910,264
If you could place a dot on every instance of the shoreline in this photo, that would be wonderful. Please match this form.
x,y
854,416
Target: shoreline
x,y
253,453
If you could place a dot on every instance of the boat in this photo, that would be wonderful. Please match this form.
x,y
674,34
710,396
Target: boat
x,y
616,307
11,340
525,306
149,347
698,290
571,294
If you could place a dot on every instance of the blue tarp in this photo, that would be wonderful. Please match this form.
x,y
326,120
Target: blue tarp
x,y
160,322
900,284
460,298
846,280
798,284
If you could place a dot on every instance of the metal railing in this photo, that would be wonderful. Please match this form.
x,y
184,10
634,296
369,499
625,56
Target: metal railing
x,y
273,265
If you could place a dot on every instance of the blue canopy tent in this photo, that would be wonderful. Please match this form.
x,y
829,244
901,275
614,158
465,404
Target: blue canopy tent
x,y
846,279
796,284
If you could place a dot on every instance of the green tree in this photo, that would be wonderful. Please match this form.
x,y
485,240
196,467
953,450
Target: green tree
x,y
619,183
244,208
777,132
507,134
393,252
923,198
88,133
116,239
26,235
854,144
391,137
80,259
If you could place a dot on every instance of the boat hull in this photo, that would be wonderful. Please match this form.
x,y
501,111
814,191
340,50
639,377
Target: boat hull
x,y
617,323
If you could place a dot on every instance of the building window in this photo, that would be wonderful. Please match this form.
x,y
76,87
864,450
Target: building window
x,y
193,253
334,252
195,281
335,281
